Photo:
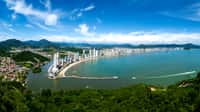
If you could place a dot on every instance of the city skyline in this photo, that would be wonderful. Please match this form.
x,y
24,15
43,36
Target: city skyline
x,y
94,21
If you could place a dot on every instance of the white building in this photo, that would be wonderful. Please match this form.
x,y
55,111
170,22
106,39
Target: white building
x,y
90,53
55,62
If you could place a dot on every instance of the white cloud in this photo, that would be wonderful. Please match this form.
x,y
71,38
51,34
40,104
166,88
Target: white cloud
x,y
28,25
14,16
84,30
5,36
51,19
134,38
20,7
7,26
94,28
47,4
88,8
79,14
191,13
43,26
11,29
76,13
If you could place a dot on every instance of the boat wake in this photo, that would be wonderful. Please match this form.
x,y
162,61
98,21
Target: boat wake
x,y
172,75
96,78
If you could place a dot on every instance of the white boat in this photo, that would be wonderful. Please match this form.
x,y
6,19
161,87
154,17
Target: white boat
x,y
115,77
133,77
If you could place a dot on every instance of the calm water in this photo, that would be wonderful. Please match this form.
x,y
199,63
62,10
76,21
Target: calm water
x,y
142,66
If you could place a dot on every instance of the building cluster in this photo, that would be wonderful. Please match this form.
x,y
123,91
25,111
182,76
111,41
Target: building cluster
x,y
126,51
71,57
9,70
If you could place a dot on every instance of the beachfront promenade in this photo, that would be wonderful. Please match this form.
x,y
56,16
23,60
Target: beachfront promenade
x,y
63,71
61,74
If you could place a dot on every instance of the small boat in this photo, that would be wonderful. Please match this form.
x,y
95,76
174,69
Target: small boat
x,y
133,77
115,77
87,86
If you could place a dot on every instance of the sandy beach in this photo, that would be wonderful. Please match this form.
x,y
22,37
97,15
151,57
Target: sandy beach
x,y
62,72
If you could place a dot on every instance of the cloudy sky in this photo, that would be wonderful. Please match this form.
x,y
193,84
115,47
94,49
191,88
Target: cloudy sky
x,y
102,21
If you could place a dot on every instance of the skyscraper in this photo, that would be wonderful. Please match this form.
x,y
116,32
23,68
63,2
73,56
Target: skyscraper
x,y
90,53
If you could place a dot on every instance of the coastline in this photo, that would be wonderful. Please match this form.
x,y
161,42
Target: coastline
x,y
62,73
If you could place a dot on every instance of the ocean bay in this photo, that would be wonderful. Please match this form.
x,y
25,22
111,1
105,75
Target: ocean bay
x,y
141,66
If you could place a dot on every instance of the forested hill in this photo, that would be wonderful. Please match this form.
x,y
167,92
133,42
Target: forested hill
x,y
17,43
182,97
29,56
45,43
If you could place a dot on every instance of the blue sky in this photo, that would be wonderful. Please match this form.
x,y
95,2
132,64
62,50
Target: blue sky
x,y
102,21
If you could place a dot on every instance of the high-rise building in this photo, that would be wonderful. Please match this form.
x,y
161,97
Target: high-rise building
x,y
84,55
55,62
94,53
90,53
57,58
62,62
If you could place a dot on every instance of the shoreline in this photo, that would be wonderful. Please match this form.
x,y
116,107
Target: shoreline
x,y
62,73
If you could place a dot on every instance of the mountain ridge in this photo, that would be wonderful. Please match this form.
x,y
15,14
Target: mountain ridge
x,y
46,43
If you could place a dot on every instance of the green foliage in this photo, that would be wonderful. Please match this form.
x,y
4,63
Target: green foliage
x,y
72,49
3,52
36,70
137,98
198,75
26,56
28,65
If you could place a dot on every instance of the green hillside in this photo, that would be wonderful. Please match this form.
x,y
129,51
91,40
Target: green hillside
x,y
182,97
29,56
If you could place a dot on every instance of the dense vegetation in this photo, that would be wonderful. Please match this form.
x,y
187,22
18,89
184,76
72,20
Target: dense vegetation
x,y
182,97
72,49
12,43
36,70
3,52
29,56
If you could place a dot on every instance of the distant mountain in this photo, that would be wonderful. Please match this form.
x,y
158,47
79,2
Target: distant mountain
x,y
95,45
40,43
17,43
189,45
45,43
12,43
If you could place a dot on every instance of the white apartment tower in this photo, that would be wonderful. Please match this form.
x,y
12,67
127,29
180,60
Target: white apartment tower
x,y
90,53
56,59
